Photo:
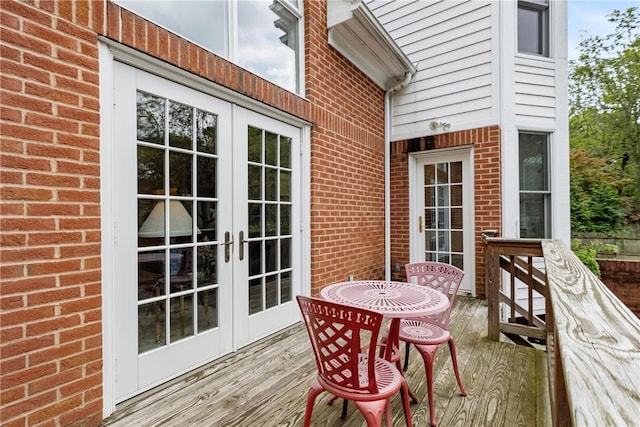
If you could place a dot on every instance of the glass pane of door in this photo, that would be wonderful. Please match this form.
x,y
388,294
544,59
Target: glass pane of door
x,y
177,235
269,219
443,213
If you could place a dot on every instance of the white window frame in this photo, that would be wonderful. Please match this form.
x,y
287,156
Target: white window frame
x,y
542,7
547,193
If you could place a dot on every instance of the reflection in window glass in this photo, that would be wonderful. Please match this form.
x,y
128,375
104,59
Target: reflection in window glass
x,y
271,291
270,148
267,41
150,118
180,125
267,31
206,176
533,27
180,174
285,287
285,155
207,132
150,170
285,219
255,295
535,195
177,278
207,265
202,22
254,144
207,310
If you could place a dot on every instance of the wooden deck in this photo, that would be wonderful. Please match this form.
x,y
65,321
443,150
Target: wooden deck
x,y
265,384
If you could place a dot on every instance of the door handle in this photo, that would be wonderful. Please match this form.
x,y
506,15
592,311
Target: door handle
x,y
420,224
242,242
228,246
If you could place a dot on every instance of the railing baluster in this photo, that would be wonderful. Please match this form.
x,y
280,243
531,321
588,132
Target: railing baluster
x,y
512,282
530,289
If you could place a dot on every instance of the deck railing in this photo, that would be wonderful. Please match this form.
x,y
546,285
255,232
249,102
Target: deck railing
x,y
593,339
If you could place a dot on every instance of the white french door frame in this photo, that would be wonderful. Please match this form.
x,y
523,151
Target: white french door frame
x,y
111,52
251,327
416,199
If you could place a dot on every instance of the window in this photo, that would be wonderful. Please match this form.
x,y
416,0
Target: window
x,y
533,27
535,196
261,35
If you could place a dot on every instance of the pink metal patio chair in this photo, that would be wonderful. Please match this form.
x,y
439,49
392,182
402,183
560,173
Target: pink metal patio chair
x,y
347,364
427,333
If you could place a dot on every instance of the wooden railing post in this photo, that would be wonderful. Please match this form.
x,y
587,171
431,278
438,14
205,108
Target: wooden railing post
x,y
493,283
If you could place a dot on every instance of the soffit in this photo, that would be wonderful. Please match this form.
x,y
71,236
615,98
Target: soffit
x,y
356,33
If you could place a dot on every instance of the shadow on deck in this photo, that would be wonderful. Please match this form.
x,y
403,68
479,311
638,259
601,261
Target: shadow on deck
x,y
265,384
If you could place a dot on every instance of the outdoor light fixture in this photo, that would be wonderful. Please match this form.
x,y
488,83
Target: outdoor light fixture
x,y
440,124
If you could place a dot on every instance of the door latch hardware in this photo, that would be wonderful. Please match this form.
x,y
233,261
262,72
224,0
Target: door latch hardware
x,y
242,242
228,246
420,224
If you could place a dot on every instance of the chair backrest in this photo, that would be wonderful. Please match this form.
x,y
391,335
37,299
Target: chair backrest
x,y
339,334
440,276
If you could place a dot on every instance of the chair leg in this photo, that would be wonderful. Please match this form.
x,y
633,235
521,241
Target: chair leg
x,y
314,390
454,359
406,356
428,353
405,402
372,411
345,405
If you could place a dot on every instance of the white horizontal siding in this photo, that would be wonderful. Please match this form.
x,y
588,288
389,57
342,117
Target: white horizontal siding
x,y
450,42
534,87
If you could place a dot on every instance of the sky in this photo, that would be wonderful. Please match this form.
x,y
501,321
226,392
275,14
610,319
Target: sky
x,y
591,16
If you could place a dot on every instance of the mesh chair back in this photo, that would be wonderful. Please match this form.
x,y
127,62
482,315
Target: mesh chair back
x,y
440,276
340,336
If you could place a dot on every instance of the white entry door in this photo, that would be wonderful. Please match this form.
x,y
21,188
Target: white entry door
x,y
442,211
205,210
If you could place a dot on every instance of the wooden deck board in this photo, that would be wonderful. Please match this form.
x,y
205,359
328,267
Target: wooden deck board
x,y
266,384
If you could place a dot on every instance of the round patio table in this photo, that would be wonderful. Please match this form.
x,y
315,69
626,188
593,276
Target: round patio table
x,y
395,300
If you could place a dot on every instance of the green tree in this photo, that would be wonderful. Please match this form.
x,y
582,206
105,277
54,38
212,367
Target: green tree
x,y
604,122
596,184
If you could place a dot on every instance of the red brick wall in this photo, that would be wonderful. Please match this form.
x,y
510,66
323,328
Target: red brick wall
x,y
51,369
487,193
623,278
50,341
347,162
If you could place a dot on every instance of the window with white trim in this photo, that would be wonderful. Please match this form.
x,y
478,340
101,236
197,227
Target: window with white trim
x,y
535,193
262,36
533,27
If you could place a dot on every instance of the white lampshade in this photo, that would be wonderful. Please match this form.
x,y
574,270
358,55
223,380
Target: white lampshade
x,y
181,223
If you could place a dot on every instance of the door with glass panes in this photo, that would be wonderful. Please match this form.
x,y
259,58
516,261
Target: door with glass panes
x,y
204,210
442,211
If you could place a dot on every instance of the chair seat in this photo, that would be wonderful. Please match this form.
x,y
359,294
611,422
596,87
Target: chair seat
x,y
388,378
422,333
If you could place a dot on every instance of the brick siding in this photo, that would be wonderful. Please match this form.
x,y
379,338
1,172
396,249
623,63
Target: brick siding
x,y
347,162
51,342
487,193
622,277
51,369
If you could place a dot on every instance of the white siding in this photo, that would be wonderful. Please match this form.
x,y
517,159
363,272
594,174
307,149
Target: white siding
x,y
535,92
451,44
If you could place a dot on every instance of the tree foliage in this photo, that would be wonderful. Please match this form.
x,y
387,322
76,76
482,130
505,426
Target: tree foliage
x,y
604,126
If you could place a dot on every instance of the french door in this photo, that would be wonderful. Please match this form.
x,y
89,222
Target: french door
x,y
205,207
442,211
